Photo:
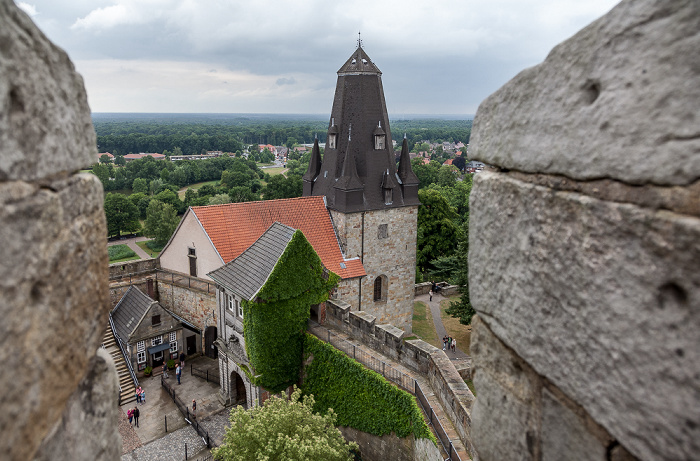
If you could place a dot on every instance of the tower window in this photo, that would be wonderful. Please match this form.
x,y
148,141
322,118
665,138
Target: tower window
x,y
331,141
388,196
379,142
383,231
380,288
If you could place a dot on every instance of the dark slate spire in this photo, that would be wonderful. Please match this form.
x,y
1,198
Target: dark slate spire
x,y
409,180
314,168
358,171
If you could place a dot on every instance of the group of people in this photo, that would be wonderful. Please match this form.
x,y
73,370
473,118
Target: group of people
x,y
449,343
133,414
140,395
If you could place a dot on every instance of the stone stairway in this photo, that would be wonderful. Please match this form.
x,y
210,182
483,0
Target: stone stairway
x,y
128,389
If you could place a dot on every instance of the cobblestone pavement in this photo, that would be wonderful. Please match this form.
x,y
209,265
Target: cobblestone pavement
x,y
130,441
172,446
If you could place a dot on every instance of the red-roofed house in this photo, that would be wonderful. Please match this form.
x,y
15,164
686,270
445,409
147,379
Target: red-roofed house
x,y
111,157
210,236
130,157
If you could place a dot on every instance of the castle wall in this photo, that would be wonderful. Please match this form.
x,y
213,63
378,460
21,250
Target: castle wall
x,y
385,240
584,258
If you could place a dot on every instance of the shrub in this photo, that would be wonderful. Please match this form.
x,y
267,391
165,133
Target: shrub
x,y
154,246
171,364
117,252
148,370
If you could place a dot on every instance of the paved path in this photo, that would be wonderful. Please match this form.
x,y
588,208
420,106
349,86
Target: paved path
x,y
150,441
131,243
439,326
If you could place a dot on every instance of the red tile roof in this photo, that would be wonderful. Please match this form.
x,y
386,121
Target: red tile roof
x,y
235,226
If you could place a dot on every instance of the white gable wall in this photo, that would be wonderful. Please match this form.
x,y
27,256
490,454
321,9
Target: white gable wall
x,y
190,235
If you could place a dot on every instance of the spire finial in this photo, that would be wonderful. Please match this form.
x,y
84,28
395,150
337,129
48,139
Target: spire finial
x,y
359,40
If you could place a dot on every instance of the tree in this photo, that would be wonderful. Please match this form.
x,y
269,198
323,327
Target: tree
x,y
119,160
460,162
427,174
437,232
283,430
219,199
122,215
447,176
161,221
242,194
102,172
463,309
266,156
139,185
104,158
280,187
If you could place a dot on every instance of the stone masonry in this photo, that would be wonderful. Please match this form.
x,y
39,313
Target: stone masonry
x,y
386,242
59,397
585,246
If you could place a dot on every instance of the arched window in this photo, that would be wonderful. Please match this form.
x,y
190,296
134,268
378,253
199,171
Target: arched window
x,y
380,288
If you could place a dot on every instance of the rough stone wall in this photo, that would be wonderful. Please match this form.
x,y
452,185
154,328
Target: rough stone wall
x,y
198,307
585,248
53,274
391,254
376,448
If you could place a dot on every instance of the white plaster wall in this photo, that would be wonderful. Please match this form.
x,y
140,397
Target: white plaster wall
x,y
190,234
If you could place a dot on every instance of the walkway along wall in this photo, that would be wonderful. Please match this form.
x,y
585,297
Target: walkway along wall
x,y
448,385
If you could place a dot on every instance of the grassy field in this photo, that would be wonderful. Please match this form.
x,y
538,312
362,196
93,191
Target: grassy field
x,y
121,253
463,333
148,250
181,192
423,325
274,171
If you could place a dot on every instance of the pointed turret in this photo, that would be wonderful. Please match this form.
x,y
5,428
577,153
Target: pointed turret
x,y
313,170
409,180
358,172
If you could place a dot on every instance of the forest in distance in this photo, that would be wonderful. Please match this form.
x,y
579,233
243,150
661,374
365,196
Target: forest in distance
x,y
124,133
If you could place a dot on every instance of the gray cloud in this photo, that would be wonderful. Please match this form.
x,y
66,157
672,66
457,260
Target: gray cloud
x,y
437,56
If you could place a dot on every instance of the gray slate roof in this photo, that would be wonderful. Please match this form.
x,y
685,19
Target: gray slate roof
x,y
249,272
129,311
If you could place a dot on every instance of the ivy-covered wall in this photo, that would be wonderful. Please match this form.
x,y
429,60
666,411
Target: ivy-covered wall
x,y
361,398
274,324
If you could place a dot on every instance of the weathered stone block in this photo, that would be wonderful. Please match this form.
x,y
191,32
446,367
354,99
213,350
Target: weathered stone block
x,y
55,305
506,413
620,99
87,428
600,298
45,123
565,436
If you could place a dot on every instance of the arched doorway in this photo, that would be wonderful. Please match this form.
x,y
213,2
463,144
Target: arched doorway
x,y
210,349
238,395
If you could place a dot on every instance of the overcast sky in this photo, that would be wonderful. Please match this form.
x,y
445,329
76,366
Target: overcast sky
x,y
281,56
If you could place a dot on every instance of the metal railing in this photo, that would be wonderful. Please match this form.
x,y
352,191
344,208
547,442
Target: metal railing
x,y
397,377
437,425
184,409
209,375
183,280
126,357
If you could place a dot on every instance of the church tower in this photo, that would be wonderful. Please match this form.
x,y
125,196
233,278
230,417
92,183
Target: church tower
x,y
374,204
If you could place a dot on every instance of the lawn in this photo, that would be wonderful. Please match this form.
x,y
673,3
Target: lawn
x,y
151,250
463,333
423,325
274,171
181,192
121,253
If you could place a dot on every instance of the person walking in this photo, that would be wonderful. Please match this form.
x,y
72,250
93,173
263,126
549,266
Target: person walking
x,y
178,372
444,342
454,345
182,359
130,414
431,295
165,371
143,396
137,413
449,343
194,408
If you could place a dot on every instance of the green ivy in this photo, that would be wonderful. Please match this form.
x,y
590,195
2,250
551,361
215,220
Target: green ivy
x,y
362,398
274,324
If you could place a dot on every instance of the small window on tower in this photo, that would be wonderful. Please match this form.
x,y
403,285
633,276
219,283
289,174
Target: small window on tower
x,y
379,142
383,231
331,141
388,196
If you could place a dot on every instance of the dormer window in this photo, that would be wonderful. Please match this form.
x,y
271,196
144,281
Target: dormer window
x,y
379,137
333,135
